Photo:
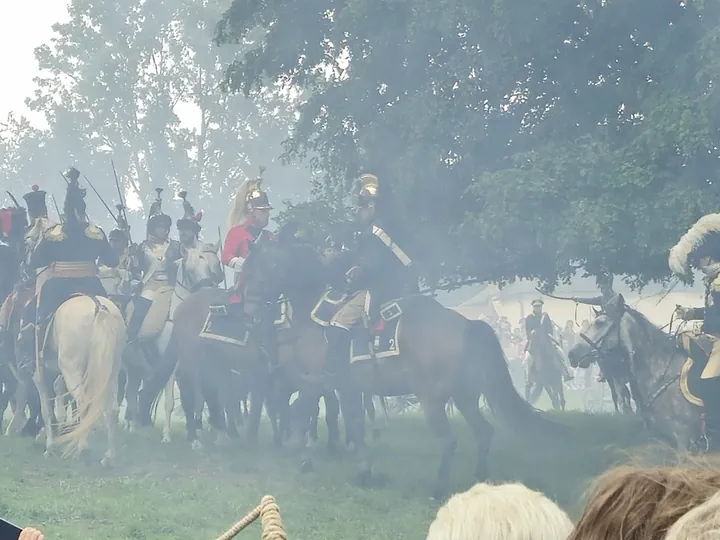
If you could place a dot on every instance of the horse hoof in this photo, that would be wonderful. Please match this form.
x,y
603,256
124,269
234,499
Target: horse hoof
x,y
307,466
364,476
165,439
223,440
48,453
107,462
196,445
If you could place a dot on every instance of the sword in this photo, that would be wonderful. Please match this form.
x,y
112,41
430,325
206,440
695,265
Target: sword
x,y
101,200
122,212
57,208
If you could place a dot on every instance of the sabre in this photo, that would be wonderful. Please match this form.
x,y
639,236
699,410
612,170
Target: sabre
x,y
122,212
101,200
57,208
221,245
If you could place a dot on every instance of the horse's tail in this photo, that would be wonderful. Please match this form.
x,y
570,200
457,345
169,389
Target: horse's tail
x,y
500,393
97,389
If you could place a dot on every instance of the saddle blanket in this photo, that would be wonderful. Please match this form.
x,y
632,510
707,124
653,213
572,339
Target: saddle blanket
x,y
385,342
234,329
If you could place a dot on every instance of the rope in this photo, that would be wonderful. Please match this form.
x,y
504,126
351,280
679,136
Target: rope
x,y
271,524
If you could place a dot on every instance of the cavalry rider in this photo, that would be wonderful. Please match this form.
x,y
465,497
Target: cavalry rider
x,y
157,259
189,225
25,242
118,281
246,224
607,294
540,321
68,256
700,248
383,271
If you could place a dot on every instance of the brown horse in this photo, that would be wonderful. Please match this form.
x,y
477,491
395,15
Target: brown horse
x,y
441,356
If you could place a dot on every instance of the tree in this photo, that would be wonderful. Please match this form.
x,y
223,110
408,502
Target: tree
x,y
117,78
524,140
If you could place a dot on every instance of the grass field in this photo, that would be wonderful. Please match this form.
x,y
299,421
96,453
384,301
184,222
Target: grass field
x,y
169,491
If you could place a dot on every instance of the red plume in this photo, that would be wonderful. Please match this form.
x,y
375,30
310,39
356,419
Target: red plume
x,y
35,187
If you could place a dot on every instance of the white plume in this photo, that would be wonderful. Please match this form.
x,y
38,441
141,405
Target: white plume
x,y
677,260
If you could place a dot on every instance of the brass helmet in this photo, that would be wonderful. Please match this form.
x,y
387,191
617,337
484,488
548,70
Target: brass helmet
x,y
367,190
157,216
190,220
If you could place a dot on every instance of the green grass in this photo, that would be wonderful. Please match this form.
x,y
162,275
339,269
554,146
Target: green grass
x,y
161,491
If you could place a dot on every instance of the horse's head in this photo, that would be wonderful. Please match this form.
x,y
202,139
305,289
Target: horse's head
x,y
287,266
201,266
602,336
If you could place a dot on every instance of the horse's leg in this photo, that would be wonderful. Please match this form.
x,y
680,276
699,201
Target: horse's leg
x,y
436,417
354,418
257,398
232,407
134,379
188,396
169,407
46,409
561,394
369,406
211,385
626,400
314,417
332,420
112,412
467,404
60,402
22,391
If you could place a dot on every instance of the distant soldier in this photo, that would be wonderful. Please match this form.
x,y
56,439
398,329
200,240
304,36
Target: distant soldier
x,y
189,225
118,281
157,259
539,321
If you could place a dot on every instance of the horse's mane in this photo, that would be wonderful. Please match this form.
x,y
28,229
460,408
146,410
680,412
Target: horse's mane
x,y
656,342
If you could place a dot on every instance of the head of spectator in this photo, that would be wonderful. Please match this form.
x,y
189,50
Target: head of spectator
x,y
635,503
700,523
500,512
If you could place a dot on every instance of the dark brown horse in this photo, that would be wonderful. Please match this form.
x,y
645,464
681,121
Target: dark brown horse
x,y
442,356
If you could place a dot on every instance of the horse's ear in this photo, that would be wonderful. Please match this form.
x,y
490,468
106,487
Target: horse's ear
x,y
597,312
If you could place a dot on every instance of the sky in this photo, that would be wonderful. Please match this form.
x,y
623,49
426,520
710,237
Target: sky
x,y
23,26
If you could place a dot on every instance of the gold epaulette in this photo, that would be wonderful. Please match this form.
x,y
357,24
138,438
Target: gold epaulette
x,y
94,233
55,234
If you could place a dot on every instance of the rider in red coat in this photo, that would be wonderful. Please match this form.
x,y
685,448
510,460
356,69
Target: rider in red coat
x,y
247,221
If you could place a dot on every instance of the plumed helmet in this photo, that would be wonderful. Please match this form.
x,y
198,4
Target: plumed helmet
x,y
157,218
248,196
190,220
701,240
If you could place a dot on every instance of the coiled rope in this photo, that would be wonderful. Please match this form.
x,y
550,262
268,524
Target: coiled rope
x,y
270,522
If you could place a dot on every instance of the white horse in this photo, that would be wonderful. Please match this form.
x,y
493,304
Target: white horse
x,y
84,348
199,268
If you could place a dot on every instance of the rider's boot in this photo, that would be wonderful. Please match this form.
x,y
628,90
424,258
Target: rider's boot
x,y
141,307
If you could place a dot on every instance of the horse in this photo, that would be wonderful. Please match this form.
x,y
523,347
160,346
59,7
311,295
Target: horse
x,y
544,370
655,367
19,383
200,267
84,347
466,363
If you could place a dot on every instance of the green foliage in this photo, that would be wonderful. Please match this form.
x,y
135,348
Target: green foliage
x,y
522,139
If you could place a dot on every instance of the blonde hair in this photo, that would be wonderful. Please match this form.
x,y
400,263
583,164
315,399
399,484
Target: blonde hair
x,y
635,503
700,523
500,512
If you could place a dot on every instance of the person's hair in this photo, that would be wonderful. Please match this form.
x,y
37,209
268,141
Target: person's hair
x,y
700,523
500,512
635,503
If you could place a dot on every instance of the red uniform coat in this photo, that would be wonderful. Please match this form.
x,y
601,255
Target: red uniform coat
x,y
237,244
